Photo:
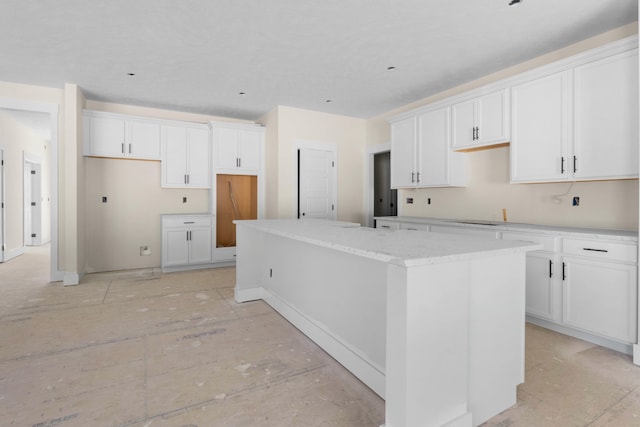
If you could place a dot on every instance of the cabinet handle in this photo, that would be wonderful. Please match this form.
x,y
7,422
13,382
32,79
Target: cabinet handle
x,y
187,233
239,162
122,147
575,159
129,148
473,138
562,165
595,250
550,268
189,222
413,177
564,272
385,226
188,178
477,133
418,177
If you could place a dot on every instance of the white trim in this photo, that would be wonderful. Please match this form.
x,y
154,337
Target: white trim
x,y
314,145
10,254
246,295
33,159
2,193
72,279
370,153
56,275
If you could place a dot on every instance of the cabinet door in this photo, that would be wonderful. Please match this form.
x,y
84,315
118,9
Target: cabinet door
x,y
174,156
176,247
606,118
403,160
492,114
200,245
540,287
249,150
198,170
600,297
106,137
433,148
143,140
463,122
539,130
226,148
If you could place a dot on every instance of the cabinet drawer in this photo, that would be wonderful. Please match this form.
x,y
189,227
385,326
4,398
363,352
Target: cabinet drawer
x,y
415,227
549,242
601,249
187,221
387,225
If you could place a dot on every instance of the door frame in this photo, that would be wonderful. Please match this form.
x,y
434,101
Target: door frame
x,y
371,151
53,110
2,193
314,145
33,160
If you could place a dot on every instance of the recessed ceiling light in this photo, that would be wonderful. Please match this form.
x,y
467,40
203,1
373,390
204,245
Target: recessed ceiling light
x,y
131,74
328,100
515,2
242,93
391,68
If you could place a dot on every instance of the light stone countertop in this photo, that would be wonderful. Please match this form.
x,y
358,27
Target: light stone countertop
x,y
578,232
401,247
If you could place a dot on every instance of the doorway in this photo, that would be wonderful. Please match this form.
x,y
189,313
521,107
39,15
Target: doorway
x,y
385,199
317,181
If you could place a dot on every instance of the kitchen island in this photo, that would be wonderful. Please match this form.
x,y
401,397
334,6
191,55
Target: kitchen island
x,y
433,323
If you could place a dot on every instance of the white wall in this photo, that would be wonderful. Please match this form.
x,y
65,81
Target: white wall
x,y
288,126
610,204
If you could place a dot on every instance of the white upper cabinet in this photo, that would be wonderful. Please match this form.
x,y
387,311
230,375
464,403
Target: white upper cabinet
x,y
606,118
120,136
481,121
420,152
185,156
403,153
238,149
578,124
540,129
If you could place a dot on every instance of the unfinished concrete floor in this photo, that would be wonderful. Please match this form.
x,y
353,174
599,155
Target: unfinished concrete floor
x,y
147,349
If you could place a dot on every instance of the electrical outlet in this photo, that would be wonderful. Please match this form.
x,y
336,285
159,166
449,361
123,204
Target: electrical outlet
x,y
184,200
145,250
576,201
409,200
428,200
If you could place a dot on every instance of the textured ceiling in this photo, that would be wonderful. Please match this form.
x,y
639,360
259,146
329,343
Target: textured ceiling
x,y
198,55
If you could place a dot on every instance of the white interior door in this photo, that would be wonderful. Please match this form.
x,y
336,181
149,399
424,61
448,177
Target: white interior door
x,y
36,204
316,184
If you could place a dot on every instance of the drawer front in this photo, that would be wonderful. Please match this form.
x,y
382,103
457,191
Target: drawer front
x,y
415,227
605,250
387,225
187,221
549,242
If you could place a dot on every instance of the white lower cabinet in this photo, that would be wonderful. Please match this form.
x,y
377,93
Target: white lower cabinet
x,y
541,285
600,297
186,240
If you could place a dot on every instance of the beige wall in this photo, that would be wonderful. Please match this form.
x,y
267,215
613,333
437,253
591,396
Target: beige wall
x,y
296,125
131,217
17,140
612,204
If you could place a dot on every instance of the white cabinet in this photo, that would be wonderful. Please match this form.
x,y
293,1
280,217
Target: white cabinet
x,y
186,240
600,288
578,124
606,118
120,136
421,155
238,148
542,299
540,129
403,153
185,156
481,121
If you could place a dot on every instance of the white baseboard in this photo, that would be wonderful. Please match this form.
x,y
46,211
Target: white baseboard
x,y
72,278
12,253
198,266
246,295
